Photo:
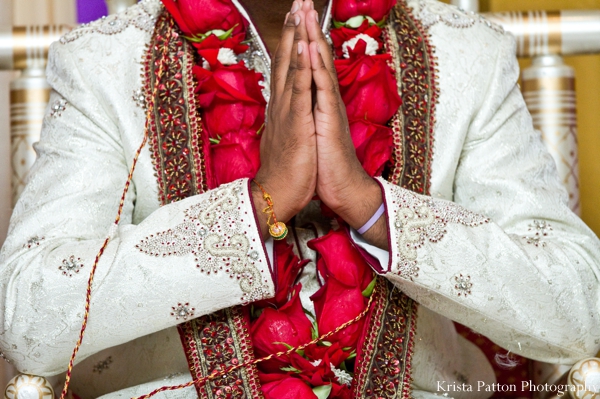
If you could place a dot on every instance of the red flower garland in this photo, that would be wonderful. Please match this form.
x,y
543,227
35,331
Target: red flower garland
x,y
233,109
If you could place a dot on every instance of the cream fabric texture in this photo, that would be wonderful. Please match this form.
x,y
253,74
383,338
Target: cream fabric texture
x,y
495,246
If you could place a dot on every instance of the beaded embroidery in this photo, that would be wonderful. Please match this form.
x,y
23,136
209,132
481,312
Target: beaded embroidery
x,y
420,219
384,364
433,12
140,98
183,311
463,285
142,16
218,341
211,231
58,107
71,266
33,242
541,229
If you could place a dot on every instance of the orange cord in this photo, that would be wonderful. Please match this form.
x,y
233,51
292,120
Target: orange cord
x,y
217,374
88,298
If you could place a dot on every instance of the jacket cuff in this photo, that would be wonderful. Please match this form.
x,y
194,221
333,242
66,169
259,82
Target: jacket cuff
x,y
416,221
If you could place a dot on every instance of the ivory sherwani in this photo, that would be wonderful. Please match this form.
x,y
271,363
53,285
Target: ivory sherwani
x,y
478,224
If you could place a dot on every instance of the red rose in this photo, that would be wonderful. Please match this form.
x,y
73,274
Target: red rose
x,y
288,388
316,373
286,269
343,34
274,328
320,373
334,352
230,97
197,17
368,86
214,43
236,156
335,304
340,392
341,260
373,145
343,10
346,275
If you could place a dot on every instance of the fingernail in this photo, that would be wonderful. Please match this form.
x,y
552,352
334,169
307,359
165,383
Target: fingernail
x,y
294,7
312,5
317,16
286,18
319,48
297,20
300,48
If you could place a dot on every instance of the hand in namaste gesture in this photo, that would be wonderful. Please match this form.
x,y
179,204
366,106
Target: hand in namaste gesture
x,y
306,146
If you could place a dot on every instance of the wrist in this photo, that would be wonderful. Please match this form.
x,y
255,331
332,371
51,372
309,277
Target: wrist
x,y
282,210
361,204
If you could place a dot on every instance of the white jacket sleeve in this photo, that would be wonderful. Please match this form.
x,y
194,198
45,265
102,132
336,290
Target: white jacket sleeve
x,y
184,260
507,257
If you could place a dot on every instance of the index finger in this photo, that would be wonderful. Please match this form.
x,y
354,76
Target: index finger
x,y
315,34
282,56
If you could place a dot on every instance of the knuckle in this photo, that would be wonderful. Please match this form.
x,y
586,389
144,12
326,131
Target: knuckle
x,y
297,90
300,66
277,60
290,73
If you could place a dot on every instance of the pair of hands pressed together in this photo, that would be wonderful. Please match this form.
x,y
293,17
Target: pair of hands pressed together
x,y
306,146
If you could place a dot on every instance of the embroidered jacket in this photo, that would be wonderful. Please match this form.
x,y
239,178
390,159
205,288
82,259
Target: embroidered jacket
x,y
479,229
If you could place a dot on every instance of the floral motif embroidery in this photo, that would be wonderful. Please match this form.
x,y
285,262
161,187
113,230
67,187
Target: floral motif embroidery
x,y
418,219
142,16
211,232
218,341
176,135
58,107
433,12
103,365
414,62
384,367
183,311
463,284
541,228
140,98
33,242
71,266
408,270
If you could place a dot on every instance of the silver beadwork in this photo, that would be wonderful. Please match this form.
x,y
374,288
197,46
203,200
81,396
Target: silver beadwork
x,y
541,229
142,16
58,107
33,242
423,219
212,232
463,285
182,311
431,13
408,270
139,98
71,266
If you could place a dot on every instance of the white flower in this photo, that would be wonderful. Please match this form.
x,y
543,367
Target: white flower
x,y
226,56
316,362
372,45
343,377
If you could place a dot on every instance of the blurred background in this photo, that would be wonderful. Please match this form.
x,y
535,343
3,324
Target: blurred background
x,y
579,133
